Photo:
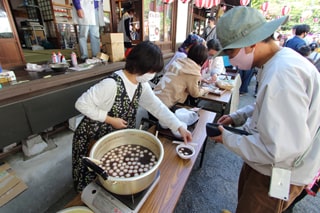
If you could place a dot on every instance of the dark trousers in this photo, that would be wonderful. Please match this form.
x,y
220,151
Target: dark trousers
x,y
246,76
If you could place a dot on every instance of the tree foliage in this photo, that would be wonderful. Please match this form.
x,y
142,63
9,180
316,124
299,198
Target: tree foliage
x,y
301,12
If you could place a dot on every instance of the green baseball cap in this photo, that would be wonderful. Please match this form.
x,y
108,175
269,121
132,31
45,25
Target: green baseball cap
x,y
244,26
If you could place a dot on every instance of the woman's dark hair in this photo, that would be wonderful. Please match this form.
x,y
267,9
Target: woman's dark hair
x,y
198,53
143,58
213,44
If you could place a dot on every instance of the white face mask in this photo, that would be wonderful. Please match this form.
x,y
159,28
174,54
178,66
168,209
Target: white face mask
x,y
146,77
242,60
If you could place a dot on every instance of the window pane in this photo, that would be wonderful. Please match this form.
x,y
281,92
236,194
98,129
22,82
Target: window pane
x,y
157,20
5,29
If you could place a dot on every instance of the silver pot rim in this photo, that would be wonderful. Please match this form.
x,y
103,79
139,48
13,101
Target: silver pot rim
x,y
123,131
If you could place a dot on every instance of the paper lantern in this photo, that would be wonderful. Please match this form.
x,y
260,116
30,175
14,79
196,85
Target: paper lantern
x,y
264,6
167,1
244,2
285,10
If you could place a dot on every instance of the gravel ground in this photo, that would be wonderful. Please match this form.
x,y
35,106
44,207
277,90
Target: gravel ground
x,y
214,186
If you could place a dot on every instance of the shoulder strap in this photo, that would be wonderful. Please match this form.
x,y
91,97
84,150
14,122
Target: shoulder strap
x,y
210,32
315,56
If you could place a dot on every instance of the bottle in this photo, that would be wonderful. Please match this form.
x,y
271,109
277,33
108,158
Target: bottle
x,y
54,58
59,57
74,59
63,59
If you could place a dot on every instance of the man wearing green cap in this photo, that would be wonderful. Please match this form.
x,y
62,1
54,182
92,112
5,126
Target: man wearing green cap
x,y
282,153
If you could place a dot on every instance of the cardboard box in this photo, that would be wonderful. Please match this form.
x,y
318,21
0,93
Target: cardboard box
x,y
112,37
113,45
10,185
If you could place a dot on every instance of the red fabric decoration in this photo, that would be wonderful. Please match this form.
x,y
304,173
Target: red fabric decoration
x,y
167,1
128,50
200,3
208,4
216,3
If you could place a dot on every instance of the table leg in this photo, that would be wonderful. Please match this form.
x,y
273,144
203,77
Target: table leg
x,y
203,151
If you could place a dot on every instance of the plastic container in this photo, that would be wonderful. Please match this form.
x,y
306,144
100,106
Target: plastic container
x,y
74,59
54,58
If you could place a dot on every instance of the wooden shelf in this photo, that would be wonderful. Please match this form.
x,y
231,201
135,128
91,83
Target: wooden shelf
x,y
62,5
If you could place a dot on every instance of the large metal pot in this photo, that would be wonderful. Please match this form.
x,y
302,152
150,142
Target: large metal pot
x,y
132,185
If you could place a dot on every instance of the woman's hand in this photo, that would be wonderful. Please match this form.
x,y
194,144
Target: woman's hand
x,y
214,78
117,123
185,134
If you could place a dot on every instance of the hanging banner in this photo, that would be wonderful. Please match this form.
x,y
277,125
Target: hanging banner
x,y
154,26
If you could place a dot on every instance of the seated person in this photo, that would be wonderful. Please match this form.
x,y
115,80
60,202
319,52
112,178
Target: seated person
x,y
213,66
183,78
181,53
184,48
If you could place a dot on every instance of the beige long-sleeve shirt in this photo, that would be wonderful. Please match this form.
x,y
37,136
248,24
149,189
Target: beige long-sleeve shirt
x,y
180,80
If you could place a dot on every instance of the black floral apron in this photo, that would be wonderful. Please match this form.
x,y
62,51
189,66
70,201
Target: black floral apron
x,y
90,131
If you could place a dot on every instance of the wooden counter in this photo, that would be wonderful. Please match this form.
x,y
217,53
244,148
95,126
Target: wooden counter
x,y
40,103
174,171
43,100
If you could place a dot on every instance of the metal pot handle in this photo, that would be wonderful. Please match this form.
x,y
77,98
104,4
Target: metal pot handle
x,y
97,169
146,120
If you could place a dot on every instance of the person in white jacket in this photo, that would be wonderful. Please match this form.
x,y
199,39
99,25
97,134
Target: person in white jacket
x,y
88,14
112,104
284,122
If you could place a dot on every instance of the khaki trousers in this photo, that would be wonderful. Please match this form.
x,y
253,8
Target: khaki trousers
x,y
253,195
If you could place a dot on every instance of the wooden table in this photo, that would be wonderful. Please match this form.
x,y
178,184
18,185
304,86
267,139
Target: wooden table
x,y
174,171
222,104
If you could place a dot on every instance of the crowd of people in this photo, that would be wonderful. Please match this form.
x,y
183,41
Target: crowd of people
x,y
283,144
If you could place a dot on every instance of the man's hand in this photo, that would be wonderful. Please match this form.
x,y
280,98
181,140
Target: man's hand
x,y
218,139
80,13
225,120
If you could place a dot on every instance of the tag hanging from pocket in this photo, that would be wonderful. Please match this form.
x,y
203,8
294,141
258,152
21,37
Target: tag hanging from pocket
x,y
280,183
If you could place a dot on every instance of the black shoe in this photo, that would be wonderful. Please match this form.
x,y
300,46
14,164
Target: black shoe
x,y
83,60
